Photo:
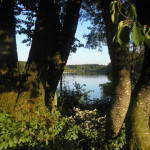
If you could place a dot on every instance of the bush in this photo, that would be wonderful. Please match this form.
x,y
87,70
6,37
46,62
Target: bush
x,y
85,130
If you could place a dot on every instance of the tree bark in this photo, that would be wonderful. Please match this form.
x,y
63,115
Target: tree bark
x,y
44,39
9,72
59,57
121,83
49,52
138,122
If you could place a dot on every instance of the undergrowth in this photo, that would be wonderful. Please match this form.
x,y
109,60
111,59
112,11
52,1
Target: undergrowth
x,y
73,127
85,130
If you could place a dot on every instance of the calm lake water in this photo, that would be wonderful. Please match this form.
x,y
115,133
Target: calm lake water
x,y
89,82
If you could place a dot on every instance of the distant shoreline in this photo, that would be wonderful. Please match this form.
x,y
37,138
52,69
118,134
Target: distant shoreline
x,y
84,68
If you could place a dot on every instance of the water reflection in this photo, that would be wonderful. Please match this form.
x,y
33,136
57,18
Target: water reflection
x,y
88,81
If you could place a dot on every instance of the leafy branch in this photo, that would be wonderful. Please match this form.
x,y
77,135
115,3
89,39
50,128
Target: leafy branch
x,y
130,24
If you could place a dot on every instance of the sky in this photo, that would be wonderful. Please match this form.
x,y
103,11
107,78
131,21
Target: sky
x,y
82,55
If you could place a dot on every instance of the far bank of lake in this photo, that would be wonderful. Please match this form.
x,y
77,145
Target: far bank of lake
x,y
88,81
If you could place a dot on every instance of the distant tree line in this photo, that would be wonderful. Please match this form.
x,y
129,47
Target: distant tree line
x,y
105,69
89,68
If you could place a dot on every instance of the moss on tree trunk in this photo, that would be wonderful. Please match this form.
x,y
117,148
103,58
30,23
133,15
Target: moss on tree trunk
x,y
138,122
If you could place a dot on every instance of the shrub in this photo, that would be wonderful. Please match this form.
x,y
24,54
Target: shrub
x,y
85,130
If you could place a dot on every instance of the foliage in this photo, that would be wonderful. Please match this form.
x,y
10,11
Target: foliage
x,y
22,66
97,36
119,143
106,88
34,134
129,24
70,98
84,130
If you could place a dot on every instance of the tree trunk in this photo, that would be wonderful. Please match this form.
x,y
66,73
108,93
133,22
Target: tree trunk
x,y
138,123
138,120
60,55
121,83
34,80
49,52
9,72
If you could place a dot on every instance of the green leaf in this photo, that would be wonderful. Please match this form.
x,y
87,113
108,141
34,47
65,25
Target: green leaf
x,y
148,34
26,133
147,40
41,133
123,35
47,142
138,33
9,121
114,12
5,145
133,10
11,143
123,24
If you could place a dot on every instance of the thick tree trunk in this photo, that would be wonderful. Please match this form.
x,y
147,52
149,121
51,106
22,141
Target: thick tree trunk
x,y
60,56
43,43
49,53
138,122
121,83
9,72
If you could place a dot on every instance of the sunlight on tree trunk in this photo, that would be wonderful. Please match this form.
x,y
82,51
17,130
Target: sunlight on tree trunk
x,y
138,122
32,91
121,92
59,57
34,78
120,76
9,72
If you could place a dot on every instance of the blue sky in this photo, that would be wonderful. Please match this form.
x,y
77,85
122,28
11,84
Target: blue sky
x,y
82,56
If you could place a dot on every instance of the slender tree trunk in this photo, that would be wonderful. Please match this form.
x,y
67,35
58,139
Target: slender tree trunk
x,y
138,122
9,73
121,83
60,56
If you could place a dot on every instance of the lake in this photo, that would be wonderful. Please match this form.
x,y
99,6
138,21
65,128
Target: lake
x,y
89,82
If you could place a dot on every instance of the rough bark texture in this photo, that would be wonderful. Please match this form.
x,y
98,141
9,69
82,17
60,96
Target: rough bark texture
x,y
120,76
35,74
138,122
49,52
9,73
59,57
